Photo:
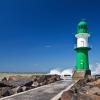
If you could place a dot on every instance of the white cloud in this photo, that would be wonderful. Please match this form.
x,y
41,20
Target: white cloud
x,y
48,46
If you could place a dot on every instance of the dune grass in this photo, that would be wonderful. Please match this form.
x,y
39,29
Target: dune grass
x,y
7,74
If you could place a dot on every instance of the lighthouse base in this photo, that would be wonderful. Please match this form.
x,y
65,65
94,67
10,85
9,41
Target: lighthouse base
x,y
81,74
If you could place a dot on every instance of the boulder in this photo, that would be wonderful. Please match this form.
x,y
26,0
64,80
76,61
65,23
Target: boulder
x,y
35,84
58,77
4,79
97,81
29,87
96,97
33,78
90,84
97,93
84,97
84,89
52,79
90,78
93,90
17,89
98,85
18,77
67,95
87,97
6,91
24,88
41,78
78,85
28,83
43,83
21,82
14,78
4,84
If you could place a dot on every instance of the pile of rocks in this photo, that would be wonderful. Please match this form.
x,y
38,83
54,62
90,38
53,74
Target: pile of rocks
x,y
84,89
16,84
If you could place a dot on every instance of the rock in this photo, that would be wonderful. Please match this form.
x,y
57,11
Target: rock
x,y
98,85
28,83
20,89
6,91
84,89
35,84
90,97
87,91
90,83
96,98
4,84
81,83
29,87
97,93
90,78
67,95
52,79
16,84
18,77
22,82
24,88
43,83
14,78
33,78
93,90
4,79
41,78
84,97
17,89
97,82
58,78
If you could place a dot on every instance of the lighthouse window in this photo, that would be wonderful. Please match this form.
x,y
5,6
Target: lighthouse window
x,y
82,27
79,27
82,43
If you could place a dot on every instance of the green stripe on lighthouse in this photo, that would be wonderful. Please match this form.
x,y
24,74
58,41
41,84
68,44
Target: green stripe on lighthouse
x,y
82,62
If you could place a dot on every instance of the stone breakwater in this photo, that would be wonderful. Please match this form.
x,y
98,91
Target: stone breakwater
x,y
84,89
17,84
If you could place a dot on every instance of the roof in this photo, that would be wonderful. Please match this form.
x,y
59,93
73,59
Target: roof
x,y
82,28
81,23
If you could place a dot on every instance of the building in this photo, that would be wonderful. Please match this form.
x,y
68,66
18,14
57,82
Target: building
x,y
82,47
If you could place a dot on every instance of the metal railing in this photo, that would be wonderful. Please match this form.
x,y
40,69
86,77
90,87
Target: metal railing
x,y
75,46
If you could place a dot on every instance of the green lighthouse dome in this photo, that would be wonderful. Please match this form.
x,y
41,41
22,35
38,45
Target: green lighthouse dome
x,y
82,28
82,23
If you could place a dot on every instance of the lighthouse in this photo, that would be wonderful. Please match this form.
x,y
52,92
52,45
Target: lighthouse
x,y
82,47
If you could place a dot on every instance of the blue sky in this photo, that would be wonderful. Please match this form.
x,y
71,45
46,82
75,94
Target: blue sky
x,y
38,35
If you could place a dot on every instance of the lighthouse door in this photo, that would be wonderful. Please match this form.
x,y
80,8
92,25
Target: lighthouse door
x,y
82,43
82,64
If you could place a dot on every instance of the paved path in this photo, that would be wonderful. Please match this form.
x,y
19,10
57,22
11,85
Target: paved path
x,y
42,93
